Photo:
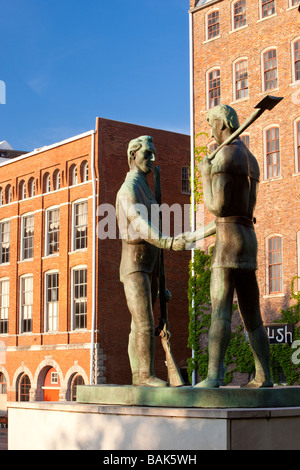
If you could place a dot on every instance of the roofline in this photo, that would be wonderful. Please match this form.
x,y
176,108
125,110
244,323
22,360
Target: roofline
x,y
201,7
49,147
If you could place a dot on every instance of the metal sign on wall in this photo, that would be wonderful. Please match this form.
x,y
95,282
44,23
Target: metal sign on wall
x,y
280,333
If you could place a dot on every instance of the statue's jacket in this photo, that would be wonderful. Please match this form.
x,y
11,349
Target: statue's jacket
x,y
137,215
237,172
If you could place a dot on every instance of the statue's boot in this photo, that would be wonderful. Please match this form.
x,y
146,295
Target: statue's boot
x,y
259,343
142,361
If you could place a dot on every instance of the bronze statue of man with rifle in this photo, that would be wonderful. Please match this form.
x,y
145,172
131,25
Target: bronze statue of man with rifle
x,y
142,242
230,183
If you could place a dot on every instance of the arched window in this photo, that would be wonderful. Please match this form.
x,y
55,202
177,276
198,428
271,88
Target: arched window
x,y
73,175
22,190
239,14
241,79
275,284
56,180
47,183
296,60
212,25
31,187
24,388
270,72
8,194
272,152
84,172
1,197
78,380
213,88
2,383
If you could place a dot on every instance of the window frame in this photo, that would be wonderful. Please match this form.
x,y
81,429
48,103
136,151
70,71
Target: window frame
x,y
54,318
208,26
209,90
4,318
270,265
74,270
5,254
48,252
29,318
235,81
234,15
262,3
265,71
74,225
294,79
23,247
267,154
297,144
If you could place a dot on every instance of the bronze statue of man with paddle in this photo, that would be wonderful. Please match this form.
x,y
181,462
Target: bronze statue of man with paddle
x,y
230,184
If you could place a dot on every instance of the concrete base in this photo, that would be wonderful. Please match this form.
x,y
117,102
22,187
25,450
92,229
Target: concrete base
x,y
189,397
73,426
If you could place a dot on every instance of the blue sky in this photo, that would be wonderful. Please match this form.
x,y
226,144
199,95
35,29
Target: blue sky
x,y
66,62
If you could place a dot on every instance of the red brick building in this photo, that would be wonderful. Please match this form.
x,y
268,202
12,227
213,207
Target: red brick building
x,y
63,315
242,51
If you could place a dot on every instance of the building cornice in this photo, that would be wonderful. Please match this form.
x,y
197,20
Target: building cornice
x,y
201,7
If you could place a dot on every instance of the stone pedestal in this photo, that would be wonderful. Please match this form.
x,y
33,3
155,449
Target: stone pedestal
x,y
159,420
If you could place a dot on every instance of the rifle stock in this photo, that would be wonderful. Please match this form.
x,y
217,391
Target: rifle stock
x,y
175,378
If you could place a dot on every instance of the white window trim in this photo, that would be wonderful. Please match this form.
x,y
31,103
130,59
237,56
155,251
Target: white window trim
x,y
206,25
270,48
234,79
265,153
46,326
217,67
21,304
22,235
73,238
277,294
75,268
6,279
263,18
233,29
46,251
2,222
297,169
294,81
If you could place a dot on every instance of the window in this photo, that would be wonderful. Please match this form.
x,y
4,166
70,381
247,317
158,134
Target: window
x,y
275,264
214,88
267,8
185,180
52,236
1,197
272,152
52,298
26,303
31,187
54,378
78,380
212,147
2,383
24,390
56,180
47,183
246,140
80,218
79,298
73,175
4,242
241,79
294,2
27,236
8,194
4,305
85,172
239,14
22,190
296,58
213,25
270,69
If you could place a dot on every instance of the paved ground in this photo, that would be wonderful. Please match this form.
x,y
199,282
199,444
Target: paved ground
x,y
3,439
